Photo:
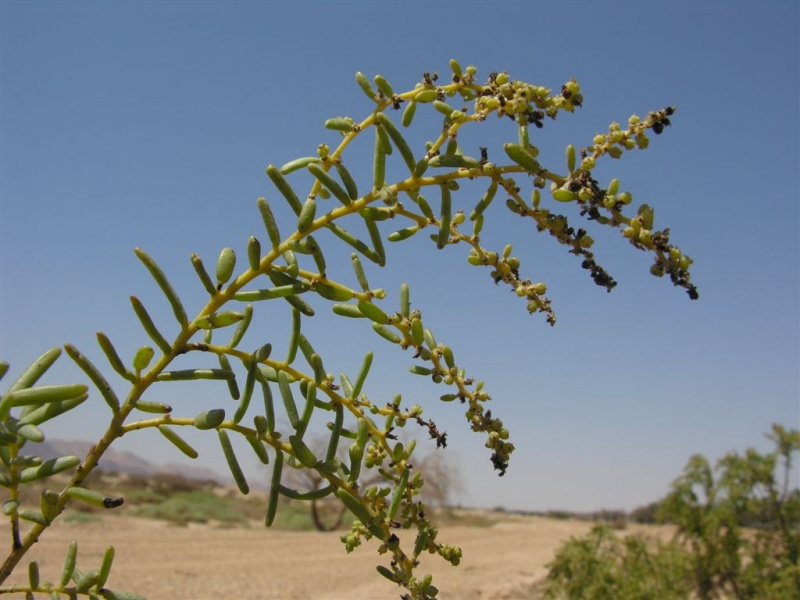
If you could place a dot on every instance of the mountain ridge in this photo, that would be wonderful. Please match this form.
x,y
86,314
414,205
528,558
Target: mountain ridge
x,y
121,461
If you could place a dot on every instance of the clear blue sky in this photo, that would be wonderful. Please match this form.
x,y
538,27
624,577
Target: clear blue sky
x,y
150,124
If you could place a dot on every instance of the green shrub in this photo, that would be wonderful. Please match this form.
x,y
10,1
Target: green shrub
x,y
601,566
192,507
712,555
710,510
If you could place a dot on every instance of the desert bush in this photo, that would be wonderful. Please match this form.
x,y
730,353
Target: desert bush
x,y
192,507
561,515
170,483
712,555
603,567
290,266
710,509
616,518
647,514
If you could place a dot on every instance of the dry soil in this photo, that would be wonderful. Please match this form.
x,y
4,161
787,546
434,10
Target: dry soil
x,y
163,561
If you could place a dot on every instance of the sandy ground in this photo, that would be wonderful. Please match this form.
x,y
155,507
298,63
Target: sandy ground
x,y
163,561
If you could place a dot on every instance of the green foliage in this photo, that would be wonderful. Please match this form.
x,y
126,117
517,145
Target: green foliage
x,y
291,267
712,555
710,511
603,567
192,507
647,514
82,517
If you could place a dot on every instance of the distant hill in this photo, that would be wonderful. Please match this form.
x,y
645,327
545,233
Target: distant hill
x,y
122,462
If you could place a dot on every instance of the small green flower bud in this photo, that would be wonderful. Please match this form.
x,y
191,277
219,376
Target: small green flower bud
x,y
323,150
624,198
539,288
572,87
490,103
558,224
